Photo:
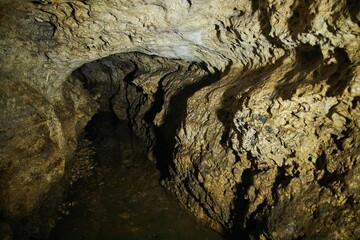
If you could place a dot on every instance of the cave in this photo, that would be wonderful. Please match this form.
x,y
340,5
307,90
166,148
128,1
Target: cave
x,y
114,188
242,116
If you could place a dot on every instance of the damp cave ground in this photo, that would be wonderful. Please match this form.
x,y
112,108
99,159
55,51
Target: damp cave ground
x,y
123,198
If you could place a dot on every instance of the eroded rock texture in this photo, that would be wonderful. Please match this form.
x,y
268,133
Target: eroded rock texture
x,y
250,108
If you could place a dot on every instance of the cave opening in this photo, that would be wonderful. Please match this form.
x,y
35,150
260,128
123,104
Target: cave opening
x,y
115,190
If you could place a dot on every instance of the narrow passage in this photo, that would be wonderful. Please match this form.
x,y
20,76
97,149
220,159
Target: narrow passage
x,y
123,199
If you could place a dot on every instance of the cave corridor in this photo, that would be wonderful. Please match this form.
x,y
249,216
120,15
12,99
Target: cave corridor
x,y
119,196
179,119
115,191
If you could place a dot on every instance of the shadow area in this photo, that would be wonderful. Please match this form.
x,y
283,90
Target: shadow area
x,y
113,139
165,134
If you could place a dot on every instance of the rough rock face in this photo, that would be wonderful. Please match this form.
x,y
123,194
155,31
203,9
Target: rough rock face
x,y
260,115
282,144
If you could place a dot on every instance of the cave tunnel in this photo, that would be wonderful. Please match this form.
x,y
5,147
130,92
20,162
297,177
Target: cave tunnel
x,y
115,190
131,119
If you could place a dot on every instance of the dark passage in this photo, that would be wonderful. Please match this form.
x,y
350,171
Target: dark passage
x,y
113,140
123,199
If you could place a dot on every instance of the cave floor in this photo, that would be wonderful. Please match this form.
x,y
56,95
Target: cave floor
x,y
124,200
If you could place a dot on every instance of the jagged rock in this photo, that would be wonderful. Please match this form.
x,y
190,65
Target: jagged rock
x,y
256,101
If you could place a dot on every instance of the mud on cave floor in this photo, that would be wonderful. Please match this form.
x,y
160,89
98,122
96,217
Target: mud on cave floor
x,y
123,198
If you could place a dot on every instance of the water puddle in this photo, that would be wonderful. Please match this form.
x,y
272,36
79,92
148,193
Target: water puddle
x,y
123,198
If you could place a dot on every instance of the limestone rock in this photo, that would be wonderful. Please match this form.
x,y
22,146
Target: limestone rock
x,y
257,101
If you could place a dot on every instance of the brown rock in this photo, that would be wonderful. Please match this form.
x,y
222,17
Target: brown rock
x,y
250,107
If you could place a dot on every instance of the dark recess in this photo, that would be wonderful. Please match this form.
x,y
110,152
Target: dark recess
x,y
301,19
264,20
308,59
165,135
343,75
353,7
248,227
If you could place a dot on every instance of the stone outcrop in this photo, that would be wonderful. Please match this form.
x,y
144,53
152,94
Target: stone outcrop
x,y
250,108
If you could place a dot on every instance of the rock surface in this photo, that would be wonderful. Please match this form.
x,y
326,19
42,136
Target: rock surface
x,y
260,111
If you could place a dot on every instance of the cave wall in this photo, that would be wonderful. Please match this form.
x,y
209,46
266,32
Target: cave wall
x,y
278,150
261,115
